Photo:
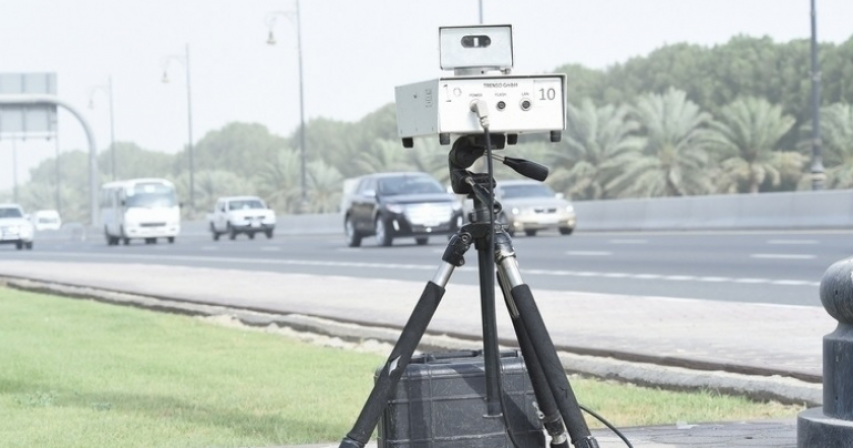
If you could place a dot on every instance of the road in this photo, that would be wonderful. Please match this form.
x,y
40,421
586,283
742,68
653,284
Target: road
x,y
761,267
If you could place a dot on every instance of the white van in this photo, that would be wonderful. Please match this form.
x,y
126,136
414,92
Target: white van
x,y
46,220
140,209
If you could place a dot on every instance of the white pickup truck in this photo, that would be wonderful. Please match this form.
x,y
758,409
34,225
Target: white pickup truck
x,y
234,215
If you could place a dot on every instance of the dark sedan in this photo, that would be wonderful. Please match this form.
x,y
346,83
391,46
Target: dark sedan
x,y
405,204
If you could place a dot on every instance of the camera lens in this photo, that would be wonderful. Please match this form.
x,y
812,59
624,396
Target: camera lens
x,y
501,105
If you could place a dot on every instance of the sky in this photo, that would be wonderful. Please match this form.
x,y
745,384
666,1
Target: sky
x,y
354,52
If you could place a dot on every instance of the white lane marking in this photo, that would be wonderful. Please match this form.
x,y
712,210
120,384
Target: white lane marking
x,y
680,278
431,267
793,242
752,280
628,241
715,279
784,256
791,282
271,248
589,253
209,248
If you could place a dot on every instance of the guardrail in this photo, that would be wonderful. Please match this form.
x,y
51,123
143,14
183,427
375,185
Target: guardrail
x,y
789,210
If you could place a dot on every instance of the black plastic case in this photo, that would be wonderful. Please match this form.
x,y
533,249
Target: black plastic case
x,y
440,403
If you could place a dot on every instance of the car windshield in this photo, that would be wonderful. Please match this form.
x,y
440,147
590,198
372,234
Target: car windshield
x,y
391,186
527,191
151,195
47,220
10,212
245,204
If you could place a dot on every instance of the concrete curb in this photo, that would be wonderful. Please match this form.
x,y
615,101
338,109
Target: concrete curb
x,y
348,335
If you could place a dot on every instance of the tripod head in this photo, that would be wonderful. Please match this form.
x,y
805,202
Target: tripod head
x,y
468,148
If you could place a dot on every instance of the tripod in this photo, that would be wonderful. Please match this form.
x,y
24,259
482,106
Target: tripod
x,y
551,387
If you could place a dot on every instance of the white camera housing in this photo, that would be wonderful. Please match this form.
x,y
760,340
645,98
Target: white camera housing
x,y
516,104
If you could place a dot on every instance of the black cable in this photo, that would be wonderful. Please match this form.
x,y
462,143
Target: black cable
x,y
607,424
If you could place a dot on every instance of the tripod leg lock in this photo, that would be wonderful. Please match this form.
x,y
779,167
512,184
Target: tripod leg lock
x,y
456,248
586,442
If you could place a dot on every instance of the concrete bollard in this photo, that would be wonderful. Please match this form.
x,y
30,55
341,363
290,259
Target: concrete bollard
x,y
831,426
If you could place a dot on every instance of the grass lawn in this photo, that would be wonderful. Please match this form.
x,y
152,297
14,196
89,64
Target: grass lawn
x,y
84,374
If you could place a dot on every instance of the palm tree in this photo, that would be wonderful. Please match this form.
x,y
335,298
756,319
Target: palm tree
x,y
383,155
674,159
749,133
837,138
428,156
210,185
592,137
279,181
325,187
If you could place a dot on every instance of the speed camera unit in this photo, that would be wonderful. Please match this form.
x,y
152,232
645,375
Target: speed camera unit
x,y
481,58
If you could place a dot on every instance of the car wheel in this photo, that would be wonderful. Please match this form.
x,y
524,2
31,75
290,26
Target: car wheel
x,y
171,240
251,235
214,233
110,241
352,235
29,245
19,245
383,237
232,234
268,233
566,230
124,239
422,241
530,232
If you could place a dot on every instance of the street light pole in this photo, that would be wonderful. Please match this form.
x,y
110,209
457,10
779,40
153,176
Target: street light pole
x,y
817,169
185,59
301,106
271,41
56,174
112,132
14,171
108,89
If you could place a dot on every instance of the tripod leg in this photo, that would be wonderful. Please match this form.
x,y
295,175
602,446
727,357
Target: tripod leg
x,y
543,347
545,399
409,339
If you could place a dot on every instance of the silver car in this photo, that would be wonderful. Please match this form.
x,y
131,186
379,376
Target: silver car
x,y
530,206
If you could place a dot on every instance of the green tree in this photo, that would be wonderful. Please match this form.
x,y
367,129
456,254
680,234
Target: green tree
x,y
837,139
209,186
133,162
592,137
674,159
73,180
750,130
279,181
383,155
243,148
325,188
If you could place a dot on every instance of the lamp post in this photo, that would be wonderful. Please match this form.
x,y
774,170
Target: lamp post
x,y
108,90
58,193
270,21
185,61
818,175
14,171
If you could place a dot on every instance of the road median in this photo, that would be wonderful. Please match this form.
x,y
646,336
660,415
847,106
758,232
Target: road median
x,y
672,343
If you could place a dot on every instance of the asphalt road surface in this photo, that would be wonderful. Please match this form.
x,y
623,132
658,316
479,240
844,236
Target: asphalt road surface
x,y
763,267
